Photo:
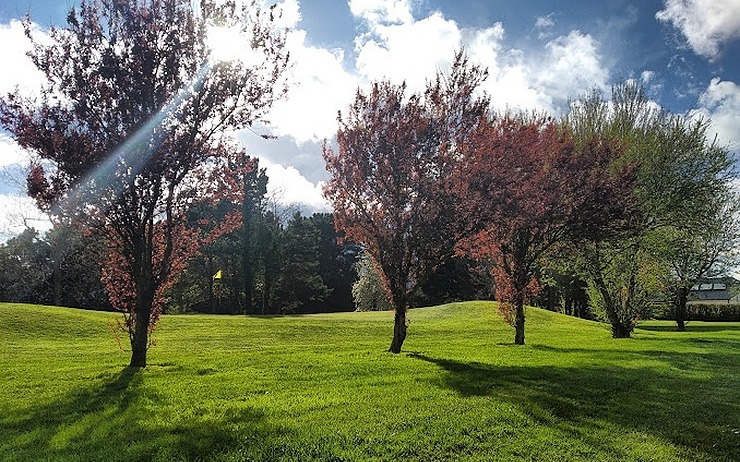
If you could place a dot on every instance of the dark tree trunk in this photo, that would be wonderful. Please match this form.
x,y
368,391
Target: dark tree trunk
x,y
247,259
683,295
210,271
56,278
140,337
621,330
399,329
266,294
519,323
569,306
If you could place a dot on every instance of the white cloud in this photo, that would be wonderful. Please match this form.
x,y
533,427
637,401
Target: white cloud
x,y
706,24
382,11
411,51
647,76
544,22
19,213
720,102
573,66
544,26
289,187
19,72
10,152
320,87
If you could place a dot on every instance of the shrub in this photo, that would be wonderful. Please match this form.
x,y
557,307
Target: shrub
x,y
705,312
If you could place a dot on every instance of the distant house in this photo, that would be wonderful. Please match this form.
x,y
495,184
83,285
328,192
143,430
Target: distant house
x,y
715,290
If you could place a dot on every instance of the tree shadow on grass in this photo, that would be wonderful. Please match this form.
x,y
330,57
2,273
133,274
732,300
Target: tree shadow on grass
x,y
685,410
118,420
691,327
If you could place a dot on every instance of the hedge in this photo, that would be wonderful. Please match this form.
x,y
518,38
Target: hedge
x,y
713,312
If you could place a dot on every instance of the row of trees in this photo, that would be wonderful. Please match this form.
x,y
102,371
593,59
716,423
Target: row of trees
x,y
617,194
61,268
417,179
296,266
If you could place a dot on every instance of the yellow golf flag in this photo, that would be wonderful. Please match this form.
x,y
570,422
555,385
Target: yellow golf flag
x,y
217,275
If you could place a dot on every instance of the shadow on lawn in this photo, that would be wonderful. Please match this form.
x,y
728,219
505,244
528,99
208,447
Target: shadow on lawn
x,y
118,421
691,327
688,411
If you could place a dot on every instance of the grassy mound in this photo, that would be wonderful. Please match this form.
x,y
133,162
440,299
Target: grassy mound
x,y
322,387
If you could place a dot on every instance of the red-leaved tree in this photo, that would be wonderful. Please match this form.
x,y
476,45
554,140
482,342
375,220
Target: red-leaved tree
x,y
392,184
531,189
131,108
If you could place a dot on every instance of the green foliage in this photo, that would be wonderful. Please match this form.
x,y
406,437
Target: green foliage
x,y
322,387
687,224
626,283
24,271
61,268
300,281
715,312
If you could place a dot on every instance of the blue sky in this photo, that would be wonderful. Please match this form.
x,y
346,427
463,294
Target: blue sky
x,y
539,54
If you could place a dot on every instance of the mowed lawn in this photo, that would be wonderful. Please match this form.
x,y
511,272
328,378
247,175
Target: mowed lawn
x,y
322,387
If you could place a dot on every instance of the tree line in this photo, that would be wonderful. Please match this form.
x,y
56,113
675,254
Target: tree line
x,y
132,145
620,200
296,264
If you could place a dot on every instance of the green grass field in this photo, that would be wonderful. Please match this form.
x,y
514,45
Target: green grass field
x,y
322,387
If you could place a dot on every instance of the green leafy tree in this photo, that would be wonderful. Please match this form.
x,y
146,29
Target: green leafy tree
x,y
76,258
300,282
25,269
682,183
337,257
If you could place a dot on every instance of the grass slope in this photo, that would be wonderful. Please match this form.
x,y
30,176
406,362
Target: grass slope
x,y
322,387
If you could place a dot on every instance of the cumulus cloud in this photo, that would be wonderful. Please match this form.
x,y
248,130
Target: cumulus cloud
x,y
411,51
706,24
573,66
382,11
288,187
720,102
320,87
24,75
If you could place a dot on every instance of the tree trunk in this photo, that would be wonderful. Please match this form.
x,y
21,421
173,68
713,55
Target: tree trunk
x,y
56,278
247,273
140,337
399,329
519,323
621,330
683,295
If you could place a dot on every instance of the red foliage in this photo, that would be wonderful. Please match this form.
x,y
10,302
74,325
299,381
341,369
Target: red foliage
x,y
531,188
131,108
392,185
